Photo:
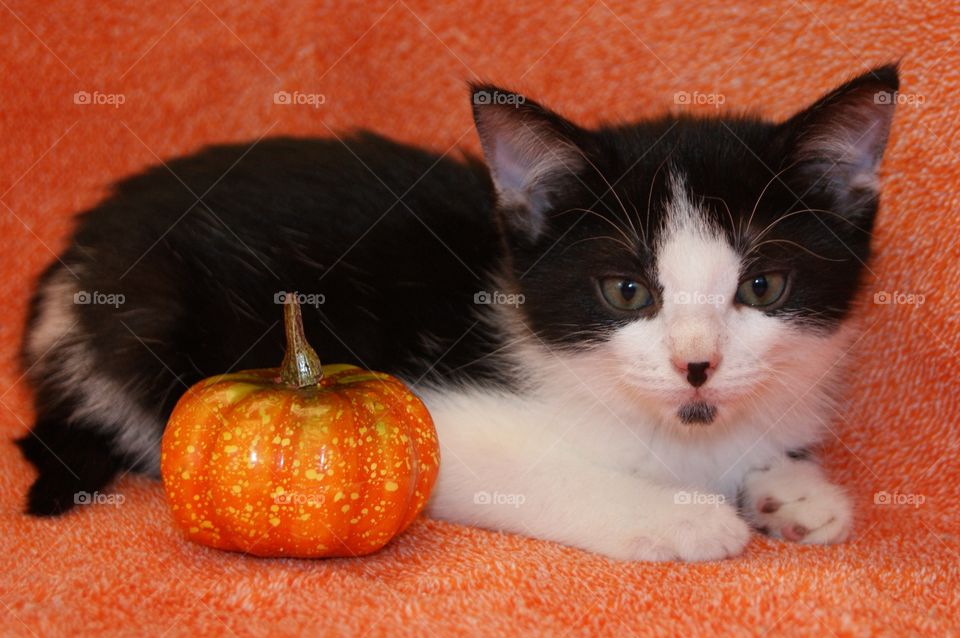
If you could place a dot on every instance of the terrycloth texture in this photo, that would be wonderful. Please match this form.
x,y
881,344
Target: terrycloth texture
x,y
194,72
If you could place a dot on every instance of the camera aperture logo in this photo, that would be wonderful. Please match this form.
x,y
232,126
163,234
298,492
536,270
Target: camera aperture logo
x,y
684,497
696,98
98,98
314,299
97,298
98,498
481,98
897,298
298,98
900,99
884,497
497,298
699,298
496,498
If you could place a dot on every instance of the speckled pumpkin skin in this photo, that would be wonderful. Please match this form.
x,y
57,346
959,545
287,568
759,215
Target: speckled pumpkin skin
x,y
338,469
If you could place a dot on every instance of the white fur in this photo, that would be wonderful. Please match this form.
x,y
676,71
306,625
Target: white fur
x,y
590,452
57,350
790,493
593,455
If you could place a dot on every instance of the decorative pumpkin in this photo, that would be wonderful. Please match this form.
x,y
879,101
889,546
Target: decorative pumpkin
x,y
302,460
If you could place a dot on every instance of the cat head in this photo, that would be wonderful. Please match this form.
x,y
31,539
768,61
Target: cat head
x,y
695,266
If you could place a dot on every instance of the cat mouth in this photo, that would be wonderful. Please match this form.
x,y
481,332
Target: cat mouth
x,y
697,413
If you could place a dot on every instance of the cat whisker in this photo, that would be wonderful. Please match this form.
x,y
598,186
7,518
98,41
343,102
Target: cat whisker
x,y
636,213
776,177
785,216
793,243
607,237
505,346
610,190
733,224
653,182
630,241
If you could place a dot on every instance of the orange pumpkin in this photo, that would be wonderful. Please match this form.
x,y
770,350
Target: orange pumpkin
x,y
302,460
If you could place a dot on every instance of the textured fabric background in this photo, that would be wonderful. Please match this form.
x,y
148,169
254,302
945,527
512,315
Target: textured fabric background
x,y
192,73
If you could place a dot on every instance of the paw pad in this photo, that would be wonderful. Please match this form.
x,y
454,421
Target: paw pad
x,y
768,505
795,533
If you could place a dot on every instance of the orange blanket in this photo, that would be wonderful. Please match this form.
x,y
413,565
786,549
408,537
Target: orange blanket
x,y
92,92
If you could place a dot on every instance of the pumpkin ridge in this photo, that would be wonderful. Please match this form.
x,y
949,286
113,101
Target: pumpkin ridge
x,y
251,463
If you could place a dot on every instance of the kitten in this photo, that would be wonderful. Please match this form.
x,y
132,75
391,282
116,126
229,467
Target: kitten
x,y
629,337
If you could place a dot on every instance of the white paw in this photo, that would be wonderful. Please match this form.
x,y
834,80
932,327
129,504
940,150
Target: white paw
x,y
794,502
691,532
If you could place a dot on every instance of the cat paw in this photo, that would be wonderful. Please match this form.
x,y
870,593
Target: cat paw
x,y
792,501
692,533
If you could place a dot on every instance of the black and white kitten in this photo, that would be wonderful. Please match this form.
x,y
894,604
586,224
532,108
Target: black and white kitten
x,y
624,335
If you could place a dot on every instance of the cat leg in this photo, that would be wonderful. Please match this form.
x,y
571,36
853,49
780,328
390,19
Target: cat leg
x,y
586,506
72,460
792,499
501,470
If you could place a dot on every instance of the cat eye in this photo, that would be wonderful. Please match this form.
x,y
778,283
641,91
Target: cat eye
x,y
625,294
762,290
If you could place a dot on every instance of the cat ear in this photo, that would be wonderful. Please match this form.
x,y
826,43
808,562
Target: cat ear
x,y
837,143
530,153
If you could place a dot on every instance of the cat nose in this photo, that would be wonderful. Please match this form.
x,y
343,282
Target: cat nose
x,y
696,371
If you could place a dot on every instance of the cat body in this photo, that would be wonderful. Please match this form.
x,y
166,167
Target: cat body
x,y
629,337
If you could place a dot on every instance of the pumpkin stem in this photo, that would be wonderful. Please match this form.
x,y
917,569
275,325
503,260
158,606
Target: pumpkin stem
x,y
301,365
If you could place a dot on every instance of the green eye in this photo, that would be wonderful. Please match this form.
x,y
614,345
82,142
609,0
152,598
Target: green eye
x,y
625,294
762,290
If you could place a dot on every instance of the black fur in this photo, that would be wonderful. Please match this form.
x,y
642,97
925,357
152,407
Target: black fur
x,y
70,459
732,166
199,280
315,216
399,241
